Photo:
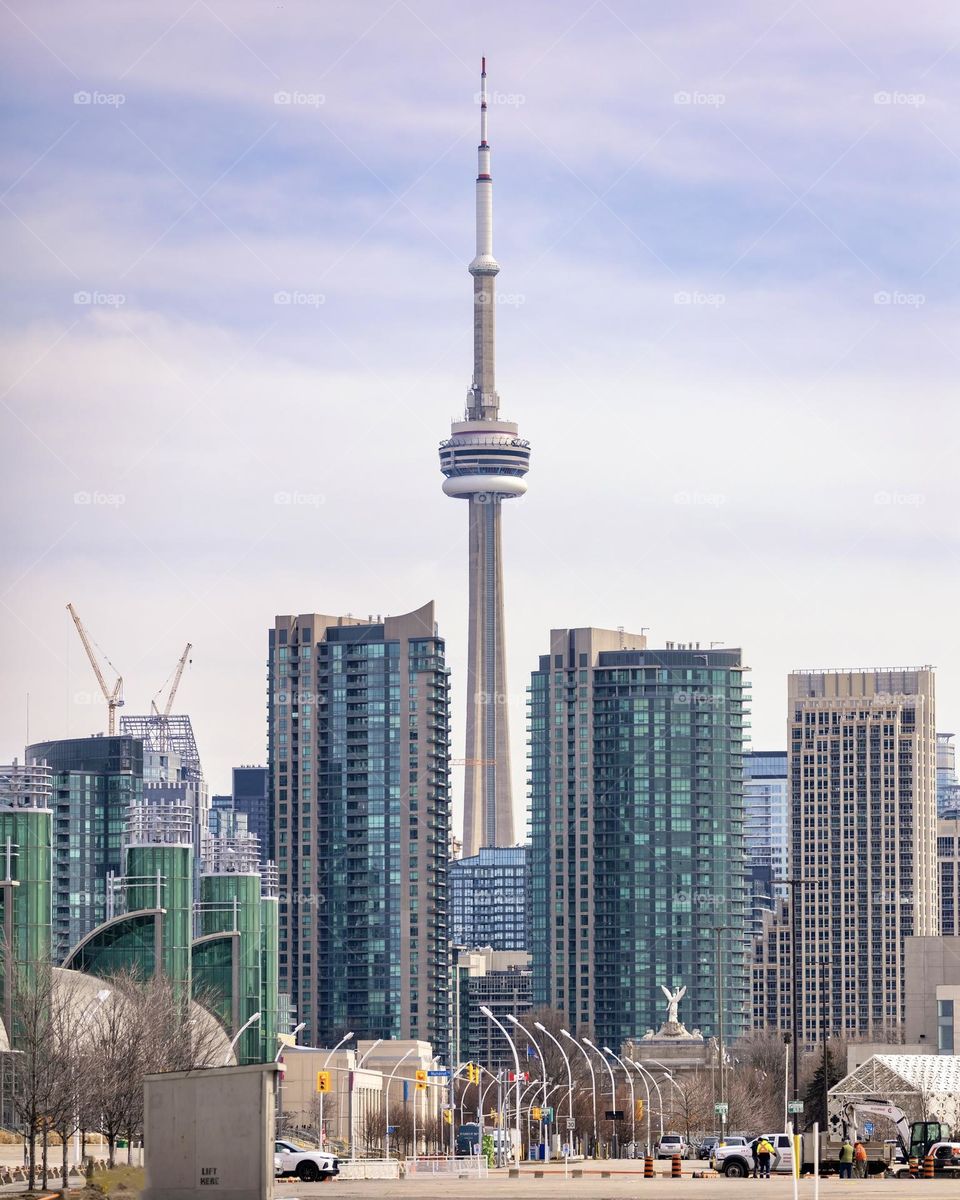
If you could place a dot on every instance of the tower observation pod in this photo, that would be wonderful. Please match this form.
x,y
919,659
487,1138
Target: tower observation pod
x,y
485,462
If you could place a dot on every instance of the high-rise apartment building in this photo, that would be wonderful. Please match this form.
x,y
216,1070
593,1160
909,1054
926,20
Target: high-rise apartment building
x,y
637,853
488,899
251,796
95,782
948,786
766,828
484,462
948,867
863,753
359,767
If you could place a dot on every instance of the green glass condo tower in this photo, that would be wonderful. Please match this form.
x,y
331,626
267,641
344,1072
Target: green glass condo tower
x,y
637,855
96,781
359,762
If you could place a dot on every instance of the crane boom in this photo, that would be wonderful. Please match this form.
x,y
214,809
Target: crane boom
x,y
114,697
176,680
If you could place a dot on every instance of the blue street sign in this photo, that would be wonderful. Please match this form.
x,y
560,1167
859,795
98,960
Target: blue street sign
x,y
439,1074
868,1129
391,1129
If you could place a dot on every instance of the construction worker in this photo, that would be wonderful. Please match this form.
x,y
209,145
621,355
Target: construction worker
x,y
764,1154
846,1159
859,1160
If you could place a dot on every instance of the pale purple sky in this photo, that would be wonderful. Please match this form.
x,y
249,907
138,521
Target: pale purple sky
x,y
729,245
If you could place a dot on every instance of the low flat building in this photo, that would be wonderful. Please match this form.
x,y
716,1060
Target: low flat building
x,y
933,996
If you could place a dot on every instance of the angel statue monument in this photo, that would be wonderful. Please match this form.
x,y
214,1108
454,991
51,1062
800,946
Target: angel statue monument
x,y
673,1003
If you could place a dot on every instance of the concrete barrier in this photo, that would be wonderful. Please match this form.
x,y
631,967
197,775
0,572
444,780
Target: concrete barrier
x,y
372,1169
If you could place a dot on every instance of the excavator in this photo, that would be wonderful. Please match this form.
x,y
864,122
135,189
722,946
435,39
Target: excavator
x,y
916,1140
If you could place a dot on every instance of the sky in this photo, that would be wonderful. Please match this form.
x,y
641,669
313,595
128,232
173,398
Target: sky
x,y
237,323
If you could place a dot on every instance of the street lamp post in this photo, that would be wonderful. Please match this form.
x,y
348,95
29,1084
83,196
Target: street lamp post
x,y
543,1066
283,1045
795,974
614,1144
238,1035
653,1080
593,1082
386,1105
646,1087
346,1038
633,1101
516,1059
351,1080
543,1029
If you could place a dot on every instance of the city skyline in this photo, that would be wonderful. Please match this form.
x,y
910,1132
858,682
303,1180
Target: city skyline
x,y
655,238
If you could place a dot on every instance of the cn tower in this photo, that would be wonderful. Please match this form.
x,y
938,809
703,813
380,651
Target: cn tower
x,y
485,462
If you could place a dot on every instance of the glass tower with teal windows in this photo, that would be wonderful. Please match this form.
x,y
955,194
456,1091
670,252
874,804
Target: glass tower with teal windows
x,y
637,854
95,783
359,768
26,833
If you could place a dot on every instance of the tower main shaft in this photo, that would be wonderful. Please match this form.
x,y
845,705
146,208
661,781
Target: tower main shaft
x,y
485,462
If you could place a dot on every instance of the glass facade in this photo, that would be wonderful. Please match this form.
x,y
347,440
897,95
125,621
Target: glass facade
x,y
213,976
637,847
359,764
95,783
766,804
229,902
164,873
488,899
127,943
25,896
270,983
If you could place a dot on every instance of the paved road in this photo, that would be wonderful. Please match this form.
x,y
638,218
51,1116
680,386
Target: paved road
x,y
621,1186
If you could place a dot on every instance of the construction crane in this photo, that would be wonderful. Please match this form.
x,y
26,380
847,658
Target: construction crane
x,y
114,696
177,676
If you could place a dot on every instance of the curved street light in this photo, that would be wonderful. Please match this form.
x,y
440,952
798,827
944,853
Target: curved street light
x,y
593,1082
543,1029
386,1106
284,1045
653,1080
543,1066
614,1145
516,1059
239,1034
346,1038
633,1101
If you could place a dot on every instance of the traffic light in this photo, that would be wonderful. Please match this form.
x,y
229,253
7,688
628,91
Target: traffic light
x,y
536,1113
448,1116
421,1081
638,1107
474,1073
323,1081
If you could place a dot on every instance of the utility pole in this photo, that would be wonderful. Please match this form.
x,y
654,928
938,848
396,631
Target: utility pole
x,y
719,930
796,976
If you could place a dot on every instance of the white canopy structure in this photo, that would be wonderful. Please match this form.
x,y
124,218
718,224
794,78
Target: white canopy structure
x,y
925,1086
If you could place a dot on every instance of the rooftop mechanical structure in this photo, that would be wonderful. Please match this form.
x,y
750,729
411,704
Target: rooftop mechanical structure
x,y
165,734
485,462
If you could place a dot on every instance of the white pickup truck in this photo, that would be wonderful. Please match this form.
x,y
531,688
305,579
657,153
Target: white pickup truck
x,y
311,1166
737,1161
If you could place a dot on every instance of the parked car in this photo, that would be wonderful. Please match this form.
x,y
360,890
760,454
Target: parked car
x,y
734,1139
311,1166
671,1144
707,1145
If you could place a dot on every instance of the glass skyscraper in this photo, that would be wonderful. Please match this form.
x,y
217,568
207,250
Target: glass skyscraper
x,y
488,899
637,853
359,771
96,781
766,804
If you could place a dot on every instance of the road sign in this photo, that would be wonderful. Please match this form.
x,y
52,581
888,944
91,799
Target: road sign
x,y
868,1128
613,1114
720,1109
571,1123
548,1115
391,1129
565,1151
444,1074
795,1106
323,1081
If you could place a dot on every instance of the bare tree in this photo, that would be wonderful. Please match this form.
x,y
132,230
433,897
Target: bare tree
x,y
32,1036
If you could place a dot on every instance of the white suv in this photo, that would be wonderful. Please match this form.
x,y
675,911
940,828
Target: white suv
x,y
311,1166
671,1144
